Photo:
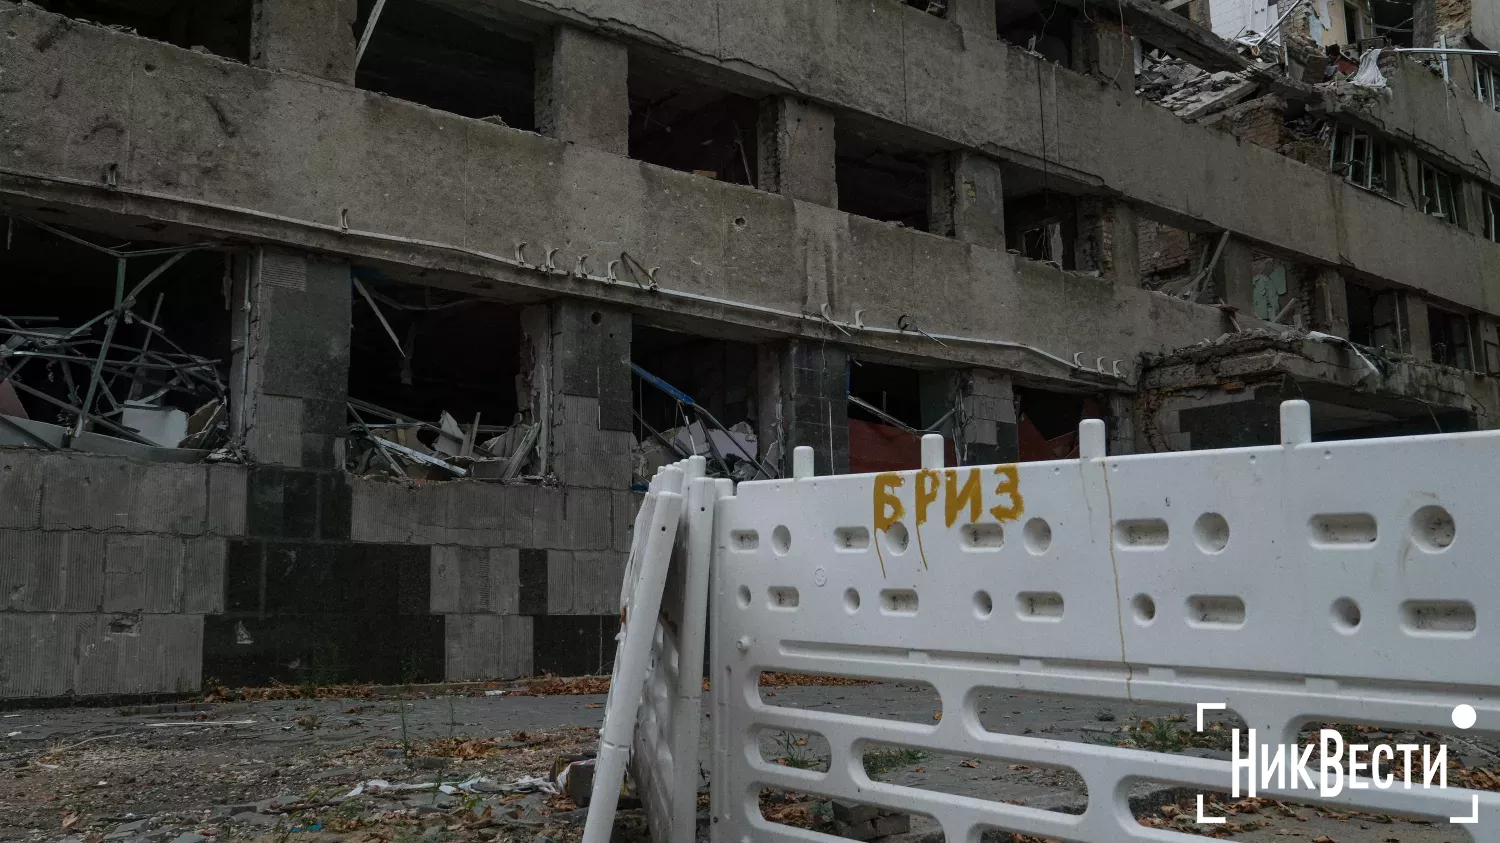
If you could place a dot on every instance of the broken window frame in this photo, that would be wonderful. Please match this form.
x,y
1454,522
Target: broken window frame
x,y
1457,353
1492,217
1486,79
1440,192
1370,169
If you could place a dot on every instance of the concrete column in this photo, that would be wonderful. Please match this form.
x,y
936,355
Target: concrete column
x,y
580,391
965,199
1108,241
1105,50
984,432
1415,340
1330,312
804,400
315,37
1234,275
582,94
976,17
289,371
795,150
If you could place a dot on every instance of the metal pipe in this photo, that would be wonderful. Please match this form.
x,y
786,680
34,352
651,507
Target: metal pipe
x,y
103,422
364,37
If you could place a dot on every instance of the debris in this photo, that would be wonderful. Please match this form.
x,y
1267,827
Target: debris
x,y
1369,75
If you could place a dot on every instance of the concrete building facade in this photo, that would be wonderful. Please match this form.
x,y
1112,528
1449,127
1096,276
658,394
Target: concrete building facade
x,y
832,223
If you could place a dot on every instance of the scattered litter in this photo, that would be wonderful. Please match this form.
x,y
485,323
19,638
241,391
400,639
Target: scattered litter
x,y
13,734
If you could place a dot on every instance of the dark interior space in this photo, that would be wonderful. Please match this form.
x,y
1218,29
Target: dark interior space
x,y
1043,226
1047,421
686,125
56,284
220,26
936,8
894,390
880,180
1393,20
1044,26
461,65
462,355
1449,334
717,374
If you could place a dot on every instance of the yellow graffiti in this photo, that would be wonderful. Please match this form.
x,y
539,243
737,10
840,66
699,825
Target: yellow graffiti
x,y
927,492
1010,487
954,497
888,507
957,496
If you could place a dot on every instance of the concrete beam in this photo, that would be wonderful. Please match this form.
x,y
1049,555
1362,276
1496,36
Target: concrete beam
x,y
581,94
282,177
1109,239
314,37
923,73
795,155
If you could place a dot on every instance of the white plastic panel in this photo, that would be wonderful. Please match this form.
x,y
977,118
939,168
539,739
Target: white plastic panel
x,y
1202,577
665,759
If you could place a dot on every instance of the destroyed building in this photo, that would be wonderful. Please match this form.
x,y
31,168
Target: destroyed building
x,y
339,336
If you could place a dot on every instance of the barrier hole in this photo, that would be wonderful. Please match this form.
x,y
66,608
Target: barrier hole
x,y
1216,611
781,540
744,540
1211,532
851,538
898,601
743,594
853,695
796,750
1039,606
851,600
1141,533
1432,528
1346,615
990,775
897,539
983,605
984,536
818,818
1037,535
1342,529
1144,609
1439,618
783,597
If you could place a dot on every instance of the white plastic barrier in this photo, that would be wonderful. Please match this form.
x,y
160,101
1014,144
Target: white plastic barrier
x,y
1342,581
665,761
640,601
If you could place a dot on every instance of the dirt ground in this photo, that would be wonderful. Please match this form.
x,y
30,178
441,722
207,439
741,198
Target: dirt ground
x,y
471,765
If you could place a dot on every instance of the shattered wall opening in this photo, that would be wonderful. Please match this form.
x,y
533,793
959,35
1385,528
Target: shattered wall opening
x,y
1170,257
1047,421
151,319
688,125
1372,317
1393,20
1041,223
221,27
1450,338
1027,24
455,63
881,178
435,372
890,408
719,376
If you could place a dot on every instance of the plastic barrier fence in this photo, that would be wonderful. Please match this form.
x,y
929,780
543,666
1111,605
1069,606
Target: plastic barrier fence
x,y
1342,581
665,760
640,601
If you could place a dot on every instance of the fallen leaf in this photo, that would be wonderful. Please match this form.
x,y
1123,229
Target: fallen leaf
x,y
69,820
1323,838
970,764
937,715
